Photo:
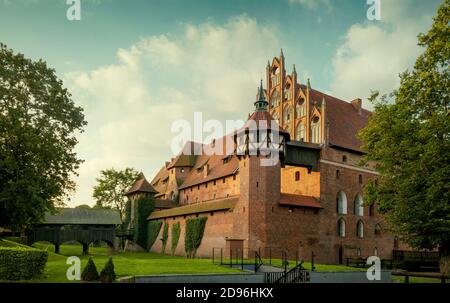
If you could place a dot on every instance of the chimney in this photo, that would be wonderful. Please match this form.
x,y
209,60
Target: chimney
x,y
205,170
357,104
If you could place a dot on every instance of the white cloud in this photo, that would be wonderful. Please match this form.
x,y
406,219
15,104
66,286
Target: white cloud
x,y
313,4
373,54
131,104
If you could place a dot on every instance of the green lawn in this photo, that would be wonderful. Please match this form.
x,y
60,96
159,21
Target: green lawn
x,y
144,263
126,264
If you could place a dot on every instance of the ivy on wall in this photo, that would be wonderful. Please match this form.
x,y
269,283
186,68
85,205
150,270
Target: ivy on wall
x,y
143,207
195,228
165,236
153,231
127,218
175,237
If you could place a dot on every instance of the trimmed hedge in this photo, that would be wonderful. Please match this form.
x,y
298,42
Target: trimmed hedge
x,y
165,236
90,272
194,233
175,237
153,228
108,275
18,263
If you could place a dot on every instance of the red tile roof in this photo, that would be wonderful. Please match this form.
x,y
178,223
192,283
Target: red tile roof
x,y
141,185
299,201
343,119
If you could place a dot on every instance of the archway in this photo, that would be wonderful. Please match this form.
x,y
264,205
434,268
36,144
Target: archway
x,y
341,255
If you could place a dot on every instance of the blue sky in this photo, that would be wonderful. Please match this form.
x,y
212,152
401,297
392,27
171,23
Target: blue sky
x,y
136,66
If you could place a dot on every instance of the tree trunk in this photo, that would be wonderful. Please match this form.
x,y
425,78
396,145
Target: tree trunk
x,y
444,261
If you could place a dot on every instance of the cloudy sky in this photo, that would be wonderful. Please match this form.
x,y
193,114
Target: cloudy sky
x,y
137,66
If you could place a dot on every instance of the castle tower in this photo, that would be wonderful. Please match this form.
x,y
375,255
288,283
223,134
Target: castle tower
x,y
260,175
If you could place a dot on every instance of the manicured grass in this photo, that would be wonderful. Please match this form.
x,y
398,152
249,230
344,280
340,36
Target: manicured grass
x,y
416,279
126,264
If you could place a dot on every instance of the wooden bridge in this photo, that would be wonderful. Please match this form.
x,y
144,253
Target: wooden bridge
x,y
82,225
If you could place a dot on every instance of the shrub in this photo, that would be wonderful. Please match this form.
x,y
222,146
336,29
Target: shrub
x,y
153,231
194,234
19,263
175,237
90,272
108,275
165,236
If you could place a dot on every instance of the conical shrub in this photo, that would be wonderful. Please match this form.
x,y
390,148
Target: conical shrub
x,y
107,275
90,272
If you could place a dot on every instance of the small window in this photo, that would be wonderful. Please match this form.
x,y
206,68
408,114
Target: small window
x,y
344,158
359,252
338,174
214,182
375,251
234,177
198,187
377,230
223,180
371,210
257,184
360,229
360,180
341,228
297,176
206,185
182,170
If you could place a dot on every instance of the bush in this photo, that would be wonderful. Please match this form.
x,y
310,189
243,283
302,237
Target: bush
x,y
90,272
194,234
153,231
165,236
19,263
108,275
175,237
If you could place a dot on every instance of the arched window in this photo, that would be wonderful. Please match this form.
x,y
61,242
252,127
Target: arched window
x,y
301,108
360,229
377,229
315,130
341,203
341,227
375,251
300,133
359,209
287,114
275,76
276,117
358,252
274,99
287,92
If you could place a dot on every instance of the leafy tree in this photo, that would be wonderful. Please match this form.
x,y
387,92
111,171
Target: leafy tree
x,y
38,123
111,188
409,140
83,206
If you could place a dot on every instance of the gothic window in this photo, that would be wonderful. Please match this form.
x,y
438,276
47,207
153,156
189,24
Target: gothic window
x,y
287,114
276,117
359,209
301,108
274,100
377,229
297,176
341,227
275,78
300,133
288,92
315,130
341,203
360,229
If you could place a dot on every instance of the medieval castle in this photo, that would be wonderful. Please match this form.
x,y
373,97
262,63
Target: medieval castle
x,y
309,202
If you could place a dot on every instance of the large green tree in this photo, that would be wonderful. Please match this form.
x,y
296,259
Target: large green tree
x,y
38,123
409,140
111,188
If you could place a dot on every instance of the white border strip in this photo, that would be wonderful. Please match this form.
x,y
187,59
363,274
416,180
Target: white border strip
x,y
350,167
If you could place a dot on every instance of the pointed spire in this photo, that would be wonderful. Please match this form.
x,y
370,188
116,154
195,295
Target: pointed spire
x,y
308,84
294,71
261,103
281,54
268,63
324,103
